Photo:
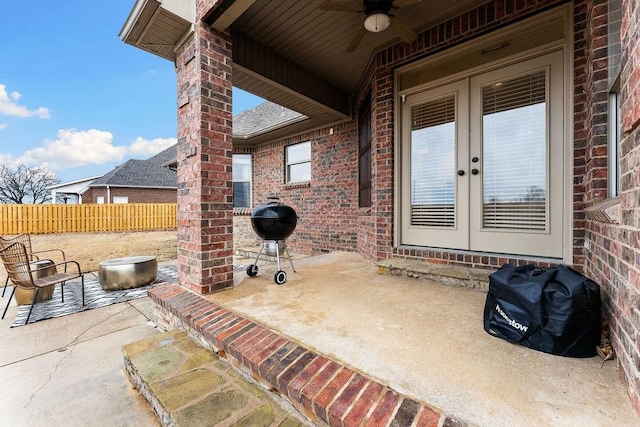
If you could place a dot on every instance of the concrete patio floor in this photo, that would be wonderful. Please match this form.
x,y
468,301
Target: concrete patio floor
x,y
426,340
421,339
68,371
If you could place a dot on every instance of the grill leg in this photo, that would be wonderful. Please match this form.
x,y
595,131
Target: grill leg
x,y
290,260
278,253
259,253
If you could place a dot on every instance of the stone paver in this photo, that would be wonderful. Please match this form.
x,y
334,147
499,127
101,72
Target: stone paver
x,y
188,385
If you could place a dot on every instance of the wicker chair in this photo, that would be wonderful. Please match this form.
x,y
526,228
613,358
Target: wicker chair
x,y
17,261
25,239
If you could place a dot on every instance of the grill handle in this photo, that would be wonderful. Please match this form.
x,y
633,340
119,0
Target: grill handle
x,y
273,200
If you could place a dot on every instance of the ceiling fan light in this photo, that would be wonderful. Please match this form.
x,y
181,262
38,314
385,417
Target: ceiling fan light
x,y
377,22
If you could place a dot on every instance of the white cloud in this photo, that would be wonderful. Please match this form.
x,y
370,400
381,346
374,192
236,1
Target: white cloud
x,y
2,126
9,106
74,148
7,159
142,148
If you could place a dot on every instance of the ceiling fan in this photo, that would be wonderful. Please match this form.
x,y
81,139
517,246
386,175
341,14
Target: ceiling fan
x,y
377,18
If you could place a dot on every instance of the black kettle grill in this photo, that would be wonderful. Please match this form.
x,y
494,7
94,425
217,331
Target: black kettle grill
x,y
273,223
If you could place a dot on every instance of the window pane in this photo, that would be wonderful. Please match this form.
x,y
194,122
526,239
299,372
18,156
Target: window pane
x,y
242,167
433,141
120,199
300,172
614,143
299,153
515,154
241,194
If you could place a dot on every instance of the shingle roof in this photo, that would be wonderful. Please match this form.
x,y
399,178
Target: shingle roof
x,y
150,173
164,156
261,118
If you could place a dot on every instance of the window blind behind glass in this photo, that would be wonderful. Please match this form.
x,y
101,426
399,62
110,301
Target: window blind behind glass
x,y
515,154
433,163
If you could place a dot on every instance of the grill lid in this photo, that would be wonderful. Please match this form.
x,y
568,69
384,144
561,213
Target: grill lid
x,y
274,221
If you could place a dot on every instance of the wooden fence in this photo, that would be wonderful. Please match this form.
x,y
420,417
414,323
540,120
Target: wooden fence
x,y
42,219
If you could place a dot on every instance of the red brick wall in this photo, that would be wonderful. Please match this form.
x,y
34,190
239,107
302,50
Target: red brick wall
x,y
613,254
327,206
135,195
205,209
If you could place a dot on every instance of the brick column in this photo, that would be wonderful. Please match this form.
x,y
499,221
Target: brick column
x,y
205,205
382,172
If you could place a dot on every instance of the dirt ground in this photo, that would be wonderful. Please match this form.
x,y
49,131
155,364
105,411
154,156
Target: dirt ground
x,y
89,249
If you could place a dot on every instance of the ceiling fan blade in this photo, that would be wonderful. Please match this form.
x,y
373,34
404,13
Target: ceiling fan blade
x,y
342,6
401,29
404,3
357,39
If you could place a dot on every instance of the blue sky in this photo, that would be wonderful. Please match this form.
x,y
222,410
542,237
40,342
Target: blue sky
x,y
75,98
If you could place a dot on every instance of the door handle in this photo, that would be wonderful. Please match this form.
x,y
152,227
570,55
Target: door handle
x,y
461,172
475,171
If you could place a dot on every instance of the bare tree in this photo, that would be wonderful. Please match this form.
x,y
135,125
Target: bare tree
x,y
25,184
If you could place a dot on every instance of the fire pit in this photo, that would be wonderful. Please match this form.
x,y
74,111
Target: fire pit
x,y
273,223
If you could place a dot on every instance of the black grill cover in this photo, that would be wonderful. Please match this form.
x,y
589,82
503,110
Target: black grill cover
x,y
553,310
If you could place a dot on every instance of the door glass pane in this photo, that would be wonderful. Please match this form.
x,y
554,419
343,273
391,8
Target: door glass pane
x,y
515,153
433,132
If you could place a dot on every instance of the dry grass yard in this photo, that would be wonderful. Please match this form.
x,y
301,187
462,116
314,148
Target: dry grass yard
x,y
91,248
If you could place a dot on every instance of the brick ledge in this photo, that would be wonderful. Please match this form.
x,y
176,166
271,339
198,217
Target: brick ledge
x,y
325,391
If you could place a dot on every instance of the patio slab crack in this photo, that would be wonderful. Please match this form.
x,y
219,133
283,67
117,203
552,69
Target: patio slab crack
x,y
69,346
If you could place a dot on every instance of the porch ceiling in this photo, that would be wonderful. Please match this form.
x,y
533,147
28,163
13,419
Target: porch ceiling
x,y
287,51
316,40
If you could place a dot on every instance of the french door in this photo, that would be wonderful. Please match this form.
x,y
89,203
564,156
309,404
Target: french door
x,y
482,161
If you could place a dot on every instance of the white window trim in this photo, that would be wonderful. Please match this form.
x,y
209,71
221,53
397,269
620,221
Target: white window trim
x,y
250,180
613,149
289,164
120,200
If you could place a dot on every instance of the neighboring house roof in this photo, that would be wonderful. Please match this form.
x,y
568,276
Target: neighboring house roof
x,y
263,118
72,187
150,173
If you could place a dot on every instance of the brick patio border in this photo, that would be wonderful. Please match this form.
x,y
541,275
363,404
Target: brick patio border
x,y
325,391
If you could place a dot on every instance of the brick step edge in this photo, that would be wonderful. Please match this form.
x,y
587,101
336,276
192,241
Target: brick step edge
x,y
463,277
325,391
